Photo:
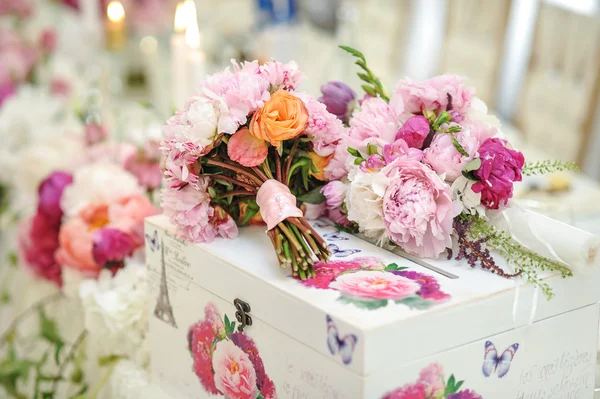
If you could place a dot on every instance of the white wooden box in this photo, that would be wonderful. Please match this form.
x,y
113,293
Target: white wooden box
x,y
392,340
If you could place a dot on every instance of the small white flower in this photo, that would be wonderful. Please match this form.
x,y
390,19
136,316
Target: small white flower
x,y
463,193
97,183
115,311
364,201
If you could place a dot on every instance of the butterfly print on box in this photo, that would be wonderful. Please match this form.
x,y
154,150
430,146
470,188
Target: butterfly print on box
x,y
341,253
368,283
152,241
335,236
494,363
342,345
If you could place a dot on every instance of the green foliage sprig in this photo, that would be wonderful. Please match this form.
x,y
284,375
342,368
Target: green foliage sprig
x,y
516,254
373,85
548,166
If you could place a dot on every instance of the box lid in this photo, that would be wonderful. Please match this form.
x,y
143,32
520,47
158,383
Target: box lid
x,y
367,305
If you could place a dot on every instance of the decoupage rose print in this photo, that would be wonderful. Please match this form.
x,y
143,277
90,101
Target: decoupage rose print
x,y
432,384
368,283
227,362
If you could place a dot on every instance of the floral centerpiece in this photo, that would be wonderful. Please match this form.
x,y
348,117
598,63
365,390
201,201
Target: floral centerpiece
x,y
426,169
250,147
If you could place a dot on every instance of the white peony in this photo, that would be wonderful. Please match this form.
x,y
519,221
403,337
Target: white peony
x,y
364,201
197,123
115,312
468,199
479,112
98,183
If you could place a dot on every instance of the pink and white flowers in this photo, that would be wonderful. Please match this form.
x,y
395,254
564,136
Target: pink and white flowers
x,y
373,285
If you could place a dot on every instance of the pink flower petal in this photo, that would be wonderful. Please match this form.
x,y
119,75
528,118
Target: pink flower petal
x,y
246,149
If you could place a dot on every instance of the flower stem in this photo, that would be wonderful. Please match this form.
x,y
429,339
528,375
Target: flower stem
x,y
260,173
69,357
288,162
234,193
103,381
236,182
235,168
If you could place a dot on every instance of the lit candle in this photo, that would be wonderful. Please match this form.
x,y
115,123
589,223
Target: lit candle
x,y
178,55
115,26
195,56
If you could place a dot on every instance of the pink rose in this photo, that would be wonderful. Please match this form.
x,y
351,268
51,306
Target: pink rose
x,y
432,377
246,149
374,285
408,391
500,168
443,157
417,209
234,373
335,193
414,131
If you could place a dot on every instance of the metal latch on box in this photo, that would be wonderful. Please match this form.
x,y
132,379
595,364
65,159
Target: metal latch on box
x,y
241,314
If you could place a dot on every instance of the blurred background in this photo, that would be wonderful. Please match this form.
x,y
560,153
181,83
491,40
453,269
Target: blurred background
x,y
534,62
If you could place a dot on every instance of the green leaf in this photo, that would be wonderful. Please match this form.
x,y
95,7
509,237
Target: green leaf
x,y
352,51
372,149
358,161
109,360
251,210
260,396
475,164
415,302
354,152
13,259
77,375
228,329
457,386
49,332
314,196
369,90
5,298
48,395
364,76
369,305
458,146
451,381
212,192
394,267
79,394
470,175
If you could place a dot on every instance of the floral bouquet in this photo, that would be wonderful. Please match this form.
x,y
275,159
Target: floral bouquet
x,y
227,362
427,169
249,148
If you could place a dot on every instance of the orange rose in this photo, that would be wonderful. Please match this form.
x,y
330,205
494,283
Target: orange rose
x,y
320,163
283,117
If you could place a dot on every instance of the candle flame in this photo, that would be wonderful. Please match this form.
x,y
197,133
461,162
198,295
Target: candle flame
x,y
192,33
181,17
115,11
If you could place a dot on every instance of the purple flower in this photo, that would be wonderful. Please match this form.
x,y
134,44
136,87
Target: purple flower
x,y
111,246
466,394
414,131
500,168
50,191
374,163
430,288
337,97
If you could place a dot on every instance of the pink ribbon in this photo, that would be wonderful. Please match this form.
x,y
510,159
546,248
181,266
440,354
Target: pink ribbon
x,y
276,203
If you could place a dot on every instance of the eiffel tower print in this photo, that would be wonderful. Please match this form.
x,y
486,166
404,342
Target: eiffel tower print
x,y
163,309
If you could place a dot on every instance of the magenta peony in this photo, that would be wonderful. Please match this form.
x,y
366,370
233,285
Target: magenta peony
x,y
500,168
408,391
466,394
38,241
50,192
417,209
111,246
200,338
414,131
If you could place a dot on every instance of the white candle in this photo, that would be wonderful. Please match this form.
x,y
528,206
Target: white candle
x,y
115,26
195,56
179,73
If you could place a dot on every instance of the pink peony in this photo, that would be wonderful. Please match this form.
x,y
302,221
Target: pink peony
x,y
408,391
338,216
247,345
281,76
500,168
235,376
128,214
95,133
38,241
432,377
111,247
200,339
444,158
60,87
246,149
144,163
50,192
338,98
338,167
326,273
213,316
374,285
465,394
180,159
7,89
430,288
440,93
376,123
335,193
324,128
75,244
48,39
417,209
374,163
18,8
399,149
414,131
